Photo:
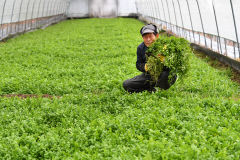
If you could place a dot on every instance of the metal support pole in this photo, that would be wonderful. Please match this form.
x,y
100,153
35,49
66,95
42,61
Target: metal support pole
x,y
147,9
181,16
225,46
164,14
62,8
48,11
190,21
59,11
65,8
69,1
136,4
43,15
155,11
38,12
151,10
159,14
169,16
26,15
217,28
56,12
211,41
4,4
13,7
234,48
61,4
235,26
199,38
53,4
10,22
175,15
33,6
19,17
64,3
202,23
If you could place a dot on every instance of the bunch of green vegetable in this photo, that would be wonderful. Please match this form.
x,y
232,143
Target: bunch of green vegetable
x,y
171,52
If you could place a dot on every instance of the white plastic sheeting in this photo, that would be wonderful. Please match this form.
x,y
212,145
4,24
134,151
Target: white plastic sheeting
x,y
78,8
23,15
20,10
127,8
209,23
101,8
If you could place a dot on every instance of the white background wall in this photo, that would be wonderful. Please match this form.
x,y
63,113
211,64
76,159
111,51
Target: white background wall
x,y
101,8
78,8
126,7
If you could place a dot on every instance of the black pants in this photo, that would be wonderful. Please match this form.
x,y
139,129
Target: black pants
x,y
144,82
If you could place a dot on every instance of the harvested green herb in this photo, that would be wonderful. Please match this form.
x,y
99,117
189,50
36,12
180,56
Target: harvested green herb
x,y
171,52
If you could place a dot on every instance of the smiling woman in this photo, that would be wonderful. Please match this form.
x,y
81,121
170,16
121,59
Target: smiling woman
x,y
95,118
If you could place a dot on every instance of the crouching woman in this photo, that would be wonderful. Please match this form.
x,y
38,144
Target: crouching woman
x,y
143,81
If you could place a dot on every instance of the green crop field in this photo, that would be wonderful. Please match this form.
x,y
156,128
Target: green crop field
x,y
82,64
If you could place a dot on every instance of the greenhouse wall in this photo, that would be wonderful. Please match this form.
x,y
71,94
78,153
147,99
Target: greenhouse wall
x,y
211,24
17,16
101,8
78,8
127,8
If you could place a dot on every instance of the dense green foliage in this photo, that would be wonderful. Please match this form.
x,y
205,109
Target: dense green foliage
x,y
85,62
171,52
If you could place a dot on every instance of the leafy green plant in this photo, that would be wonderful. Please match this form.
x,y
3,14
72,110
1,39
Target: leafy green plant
x,y
85,61
174,53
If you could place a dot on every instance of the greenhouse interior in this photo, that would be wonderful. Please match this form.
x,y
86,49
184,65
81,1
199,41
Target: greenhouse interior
x,y
120,79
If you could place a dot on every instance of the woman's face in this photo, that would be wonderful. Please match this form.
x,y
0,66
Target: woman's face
x,y
149,38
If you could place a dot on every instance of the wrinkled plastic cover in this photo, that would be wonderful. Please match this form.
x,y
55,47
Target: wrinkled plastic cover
x,y
101,8
164,10
30,9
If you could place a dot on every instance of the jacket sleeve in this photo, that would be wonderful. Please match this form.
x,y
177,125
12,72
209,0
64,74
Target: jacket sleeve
x,y
140,64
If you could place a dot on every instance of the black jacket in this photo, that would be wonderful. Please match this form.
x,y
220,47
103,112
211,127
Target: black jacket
x,y
141,58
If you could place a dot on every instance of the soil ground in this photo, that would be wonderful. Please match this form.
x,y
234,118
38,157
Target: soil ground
x,y
23,96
